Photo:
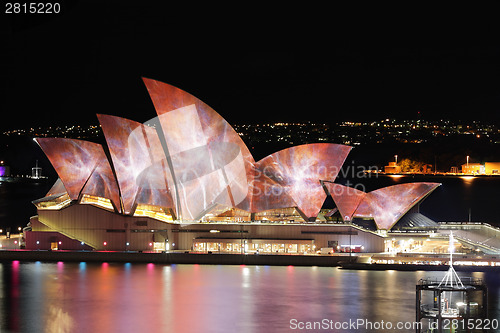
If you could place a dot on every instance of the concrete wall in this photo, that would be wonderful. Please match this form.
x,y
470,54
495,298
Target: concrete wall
x,y
42,240
104,230
321,234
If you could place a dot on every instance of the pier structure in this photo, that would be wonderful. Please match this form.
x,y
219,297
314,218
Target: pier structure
x,y
452,304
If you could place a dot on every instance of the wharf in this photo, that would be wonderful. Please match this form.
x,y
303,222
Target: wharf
x,y
174,258
418,267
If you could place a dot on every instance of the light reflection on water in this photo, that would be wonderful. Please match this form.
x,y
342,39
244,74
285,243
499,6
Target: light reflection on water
x,y
109,297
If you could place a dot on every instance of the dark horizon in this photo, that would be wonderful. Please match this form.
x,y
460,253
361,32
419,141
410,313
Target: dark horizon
x,y
88,122
65,68
265,95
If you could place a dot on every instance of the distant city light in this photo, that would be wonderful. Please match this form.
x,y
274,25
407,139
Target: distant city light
x,y
299,132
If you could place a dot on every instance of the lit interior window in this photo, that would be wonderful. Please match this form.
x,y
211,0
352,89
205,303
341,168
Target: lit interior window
x,y
97,201
155,212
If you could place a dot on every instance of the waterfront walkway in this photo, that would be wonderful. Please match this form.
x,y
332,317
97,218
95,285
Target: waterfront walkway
x,y
479,235
175,258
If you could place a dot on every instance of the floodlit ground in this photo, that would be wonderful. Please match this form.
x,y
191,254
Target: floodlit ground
x,y
437,246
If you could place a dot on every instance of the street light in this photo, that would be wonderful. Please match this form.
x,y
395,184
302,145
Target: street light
x,y
396,157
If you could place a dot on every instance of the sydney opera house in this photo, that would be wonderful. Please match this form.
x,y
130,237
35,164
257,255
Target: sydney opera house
x,y
186,181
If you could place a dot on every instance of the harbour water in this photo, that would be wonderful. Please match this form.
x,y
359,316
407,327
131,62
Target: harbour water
x,y
112,297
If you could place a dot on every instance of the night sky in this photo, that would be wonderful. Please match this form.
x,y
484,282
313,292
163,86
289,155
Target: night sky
x,y
63,69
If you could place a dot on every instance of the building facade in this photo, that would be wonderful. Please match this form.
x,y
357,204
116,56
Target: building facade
x,y
186,181
392,168
488,168
492,168
473,169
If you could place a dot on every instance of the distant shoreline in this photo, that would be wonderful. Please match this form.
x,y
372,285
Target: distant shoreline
x,y
26,179
434,175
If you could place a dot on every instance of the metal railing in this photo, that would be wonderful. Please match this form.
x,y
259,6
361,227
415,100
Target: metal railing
x,y
465,281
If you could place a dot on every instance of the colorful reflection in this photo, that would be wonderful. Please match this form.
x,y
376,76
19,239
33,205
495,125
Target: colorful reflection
x,y
121,297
